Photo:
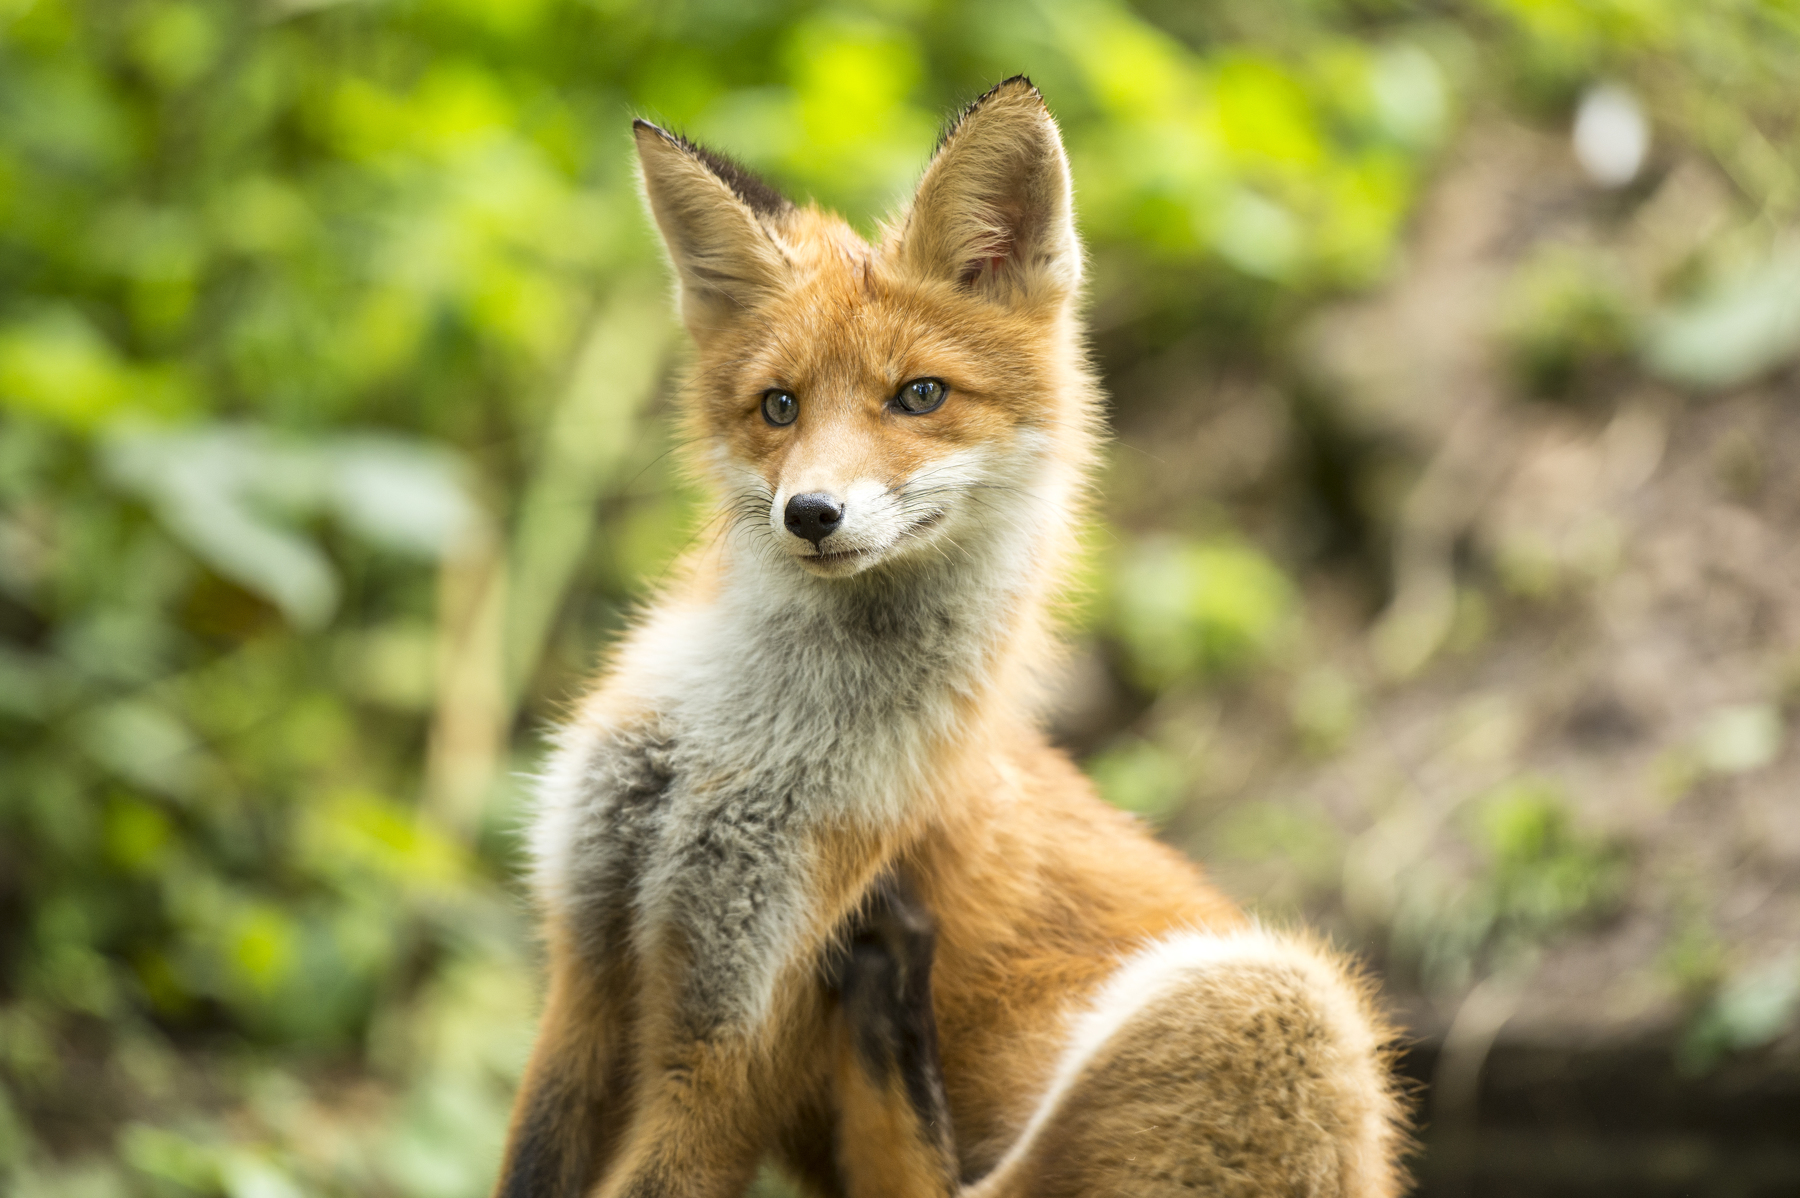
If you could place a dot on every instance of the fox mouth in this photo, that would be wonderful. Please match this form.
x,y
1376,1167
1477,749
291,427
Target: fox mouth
x,y
841,557
832,559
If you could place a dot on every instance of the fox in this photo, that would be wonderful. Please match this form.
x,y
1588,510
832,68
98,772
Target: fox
x,y
815,886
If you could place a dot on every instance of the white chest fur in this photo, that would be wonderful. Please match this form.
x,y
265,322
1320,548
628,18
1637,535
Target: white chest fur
x,y
764,720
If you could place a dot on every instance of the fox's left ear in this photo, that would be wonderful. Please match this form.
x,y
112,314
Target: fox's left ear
x,y
993,212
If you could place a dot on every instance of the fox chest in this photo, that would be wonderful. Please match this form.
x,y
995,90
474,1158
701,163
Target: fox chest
x,y
693,830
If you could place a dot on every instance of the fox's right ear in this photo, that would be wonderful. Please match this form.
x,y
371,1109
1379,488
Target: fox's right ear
x,y
719,223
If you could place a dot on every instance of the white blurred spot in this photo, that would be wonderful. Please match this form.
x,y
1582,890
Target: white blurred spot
x,y
1747,323
1611,135
1738,739
1258,236
1409,93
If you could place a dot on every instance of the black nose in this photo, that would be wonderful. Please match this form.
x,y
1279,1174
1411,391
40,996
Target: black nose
x,y
814,516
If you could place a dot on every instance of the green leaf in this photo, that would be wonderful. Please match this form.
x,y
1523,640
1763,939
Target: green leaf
x,y
1748,324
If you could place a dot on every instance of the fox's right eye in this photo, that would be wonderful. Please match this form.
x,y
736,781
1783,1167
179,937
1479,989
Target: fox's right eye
x,y
780,407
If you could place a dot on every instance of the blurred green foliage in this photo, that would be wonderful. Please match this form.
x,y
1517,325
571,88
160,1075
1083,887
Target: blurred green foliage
x,y
1538,874
1567,313
330,354
1138,776
1748,1011
1185,610
1544,872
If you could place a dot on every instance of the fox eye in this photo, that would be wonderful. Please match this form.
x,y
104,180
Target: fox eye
x,y
780,407
921,396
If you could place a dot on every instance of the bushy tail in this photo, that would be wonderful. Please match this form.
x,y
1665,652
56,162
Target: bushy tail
x,y
1250,1064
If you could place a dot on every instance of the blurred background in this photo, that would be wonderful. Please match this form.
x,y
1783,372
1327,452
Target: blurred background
x,y
1445,591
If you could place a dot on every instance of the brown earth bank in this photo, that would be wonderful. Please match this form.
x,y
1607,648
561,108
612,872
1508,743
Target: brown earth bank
x,y
1557,803
1612,1120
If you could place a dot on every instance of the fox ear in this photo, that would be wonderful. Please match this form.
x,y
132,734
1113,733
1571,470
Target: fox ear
x,y
993,212
719,222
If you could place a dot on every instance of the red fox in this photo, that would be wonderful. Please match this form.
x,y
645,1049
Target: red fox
x,y
815,886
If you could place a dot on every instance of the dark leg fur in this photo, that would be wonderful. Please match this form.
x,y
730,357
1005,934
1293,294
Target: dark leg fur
x,y
893,1091
552,1154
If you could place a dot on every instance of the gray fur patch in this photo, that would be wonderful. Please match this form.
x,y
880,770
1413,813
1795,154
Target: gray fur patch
x,y
625,784
727,877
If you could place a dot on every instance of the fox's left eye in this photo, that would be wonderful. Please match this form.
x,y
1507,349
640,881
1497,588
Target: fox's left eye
x,y
921,396
780,407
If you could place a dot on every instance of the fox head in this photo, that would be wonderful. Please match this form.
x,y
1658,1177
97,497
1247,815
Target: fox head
x,y
868,409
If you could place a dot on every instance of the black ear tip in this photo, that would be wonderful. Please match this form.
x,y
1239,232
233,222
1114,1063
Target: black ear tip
x,y
1017,85
640,126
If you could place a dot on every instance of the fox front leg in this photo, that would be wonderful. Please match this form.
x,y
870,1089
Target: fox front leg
x,y
710,1097
699,1129
565,1121
894,1136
